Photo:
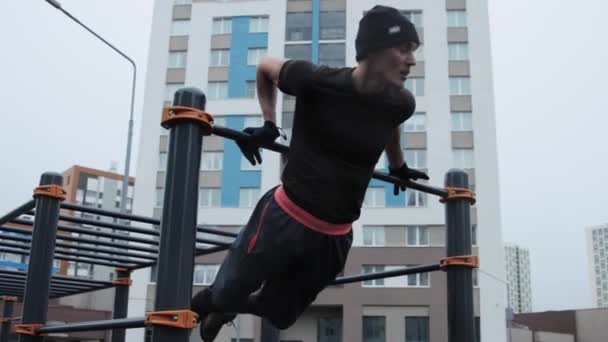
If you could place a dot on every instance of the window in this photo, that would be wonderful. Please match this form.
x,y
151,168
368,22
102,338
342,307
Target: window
x,y
205,274
462,121
458,51
177,59
457,19
463,158
419,53
212,161
332,24
170,90
331,55
475,278
381,164
298,26
183,2
374,329
246,165
460,86
222,25
162,161
160,196
474,234
258,24
209,197
180,27
418,280
415,85
415,198
254,55
248,197
417,236
219,57
415,158
330,329
373,269
416,123
251,90
374,197
374,236
477,330
79,269
416,329
217,90
298,51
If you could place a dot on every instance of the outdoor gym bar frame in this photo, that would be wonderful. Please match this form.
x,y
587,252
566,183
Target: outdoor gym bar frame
x,y
171,318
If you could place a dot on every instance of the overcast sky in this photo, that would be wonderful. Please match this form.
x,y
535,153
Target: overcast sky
x,y
65,101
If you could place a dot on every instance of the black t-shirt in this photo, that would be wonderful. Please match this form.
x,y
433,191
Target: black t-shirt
x,y
338,136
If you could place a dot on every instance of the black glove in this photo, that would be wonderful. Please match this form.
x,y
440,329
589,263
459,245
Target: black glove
x,y
259,135
405,173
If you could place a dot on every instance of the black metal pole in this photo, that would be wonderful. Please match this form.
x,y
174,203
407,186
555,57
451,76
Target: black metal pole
x,y
7,313
18,211
137,322
121,303
178,224
461,321
36,299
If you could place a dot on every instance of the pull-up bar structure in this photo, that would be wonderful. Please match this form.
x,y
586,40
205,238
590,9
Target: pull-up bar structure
x,y
174,247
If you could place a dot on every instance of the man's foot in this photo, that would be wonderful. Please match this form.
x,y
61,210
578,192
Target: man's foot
x,y
212,324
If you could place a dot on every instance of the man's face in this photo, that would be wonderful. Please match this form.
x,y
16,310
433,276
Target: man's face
x,y
393,64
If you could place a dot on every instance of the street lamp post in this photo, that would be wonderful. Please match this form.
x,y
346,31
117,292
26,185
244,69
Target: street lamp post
x,y
125,181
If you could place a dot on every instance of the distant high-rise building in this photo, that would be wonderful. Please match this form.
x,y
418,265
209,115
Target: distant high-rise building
x,y
517,260
597,250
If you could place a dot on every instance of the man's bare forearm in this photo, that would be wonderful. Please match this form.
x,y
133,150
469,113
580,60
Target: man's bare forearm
x,y
394,154
267,80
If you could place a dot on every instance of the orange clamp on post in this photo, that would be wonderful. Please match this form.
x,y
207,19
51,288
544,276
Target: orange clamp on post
x,y
27,329
123,281
54,191
184,319
457,193
178,113
471,261
8,298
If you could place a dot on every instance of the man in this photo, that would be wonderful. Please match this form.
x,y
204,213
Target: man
x,y
298,237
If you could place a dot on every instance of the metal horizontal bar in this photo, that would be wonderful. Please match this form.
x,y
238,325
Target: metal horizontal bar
x,y
203,229
238,135
85,231
387,274
60,278
198,252
138,322
85,240
29,205
16,245
21,282
76,207
110,225
93,262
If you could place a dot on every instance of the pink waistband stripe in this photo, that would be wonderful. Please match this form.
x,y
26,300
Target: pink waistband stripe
x,y
308,219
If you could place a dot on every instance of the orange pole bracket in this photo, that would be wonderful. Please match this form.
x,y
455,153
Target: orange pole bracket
x,y
123,281
459,193
173,114
471,261
54,191
184,319
8,298
27,329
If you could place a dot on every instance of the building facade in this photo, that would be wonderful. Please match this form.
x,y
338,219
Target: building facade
x,y
517,261
597,251
215,45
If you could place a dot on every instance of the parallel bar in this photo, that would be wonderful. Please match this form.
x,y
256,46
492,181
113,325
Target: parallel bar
x,y
461,321
136,218
85,241
238,135
387,274
85,231
61,278
74,219
138,322
69,258
178,224
199,252
27,206
121,303
37,290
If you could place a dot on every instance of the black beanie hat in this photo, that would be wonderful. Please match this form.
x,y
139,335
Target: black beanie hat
x,y
383,27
